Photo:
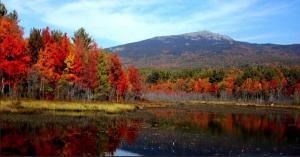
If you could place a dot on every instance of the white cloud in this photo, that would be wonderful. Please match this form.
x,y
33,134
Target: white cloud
x,y
128,21
119,21
259,37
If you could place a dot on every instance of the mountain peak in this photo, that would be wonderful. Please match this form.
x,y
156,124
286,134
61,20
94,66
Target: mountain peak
x,y
204,49
206,35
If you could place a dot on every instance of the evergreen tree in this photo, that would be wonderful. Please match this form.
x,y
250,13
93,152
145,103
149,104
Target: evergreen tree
x,y
13,15
3,10
84,37
217,76
35,43
104,86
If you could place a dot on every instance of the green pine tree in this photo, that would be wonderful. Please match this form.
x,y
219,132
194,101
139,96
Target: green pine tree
x,y
103,90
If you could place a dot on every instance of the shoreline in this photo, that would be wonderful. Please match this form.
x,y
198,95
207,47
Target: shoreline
x,y
39,106
36,106
241,104
158,104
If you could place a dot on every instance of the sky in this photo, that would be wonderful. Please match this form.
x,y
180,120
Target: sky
x,y
116,22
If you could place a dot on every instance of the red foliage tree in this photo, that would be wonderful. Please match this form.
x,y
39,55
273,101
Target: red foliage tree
x,y
214,89
297,88
229,83
117,77
122,85
13,59
274,86
60,54
51,60
46,61
89,76
266,87
135,81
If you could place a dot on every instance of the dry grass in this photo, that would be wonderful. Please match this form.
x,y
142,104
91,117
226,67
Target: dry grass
x,y
242,104
43,105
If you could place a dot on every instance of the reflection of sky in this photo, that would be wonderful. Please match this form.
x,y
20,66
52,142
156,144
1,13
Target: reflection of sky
x,y
120,152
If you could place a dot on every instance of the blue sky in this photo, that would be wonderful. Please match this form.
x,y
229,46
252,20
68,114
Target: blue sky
x,y
114,22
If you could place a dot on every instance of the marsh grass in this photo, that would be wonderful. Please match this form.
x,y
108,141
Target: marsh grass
x,y
244,104
31,106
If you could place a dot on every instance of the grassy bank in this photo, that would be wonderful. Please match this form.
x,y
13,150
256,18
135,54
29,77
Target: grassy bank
x,y
43,105
73,108
228,103
242,104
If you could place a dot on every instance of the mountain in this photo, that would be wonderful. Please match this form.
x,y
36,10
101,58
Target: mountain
x,y
204,49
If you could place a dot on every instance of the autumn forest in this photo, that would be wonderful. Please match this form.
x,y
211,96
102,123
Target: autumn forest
x,y
179,93
259,84
50,64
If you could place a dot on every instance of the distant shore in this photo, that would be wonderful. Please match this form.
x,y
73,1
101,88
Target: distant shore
x,y
154,104
243,104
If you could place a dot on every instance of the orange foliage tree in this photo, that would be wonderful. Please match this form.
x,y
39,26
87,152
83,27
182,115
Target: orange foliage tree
x,y
117,77
13,59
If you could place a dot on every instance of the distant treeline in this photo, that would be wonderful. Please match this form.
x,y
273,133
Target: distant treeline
x,y
259,83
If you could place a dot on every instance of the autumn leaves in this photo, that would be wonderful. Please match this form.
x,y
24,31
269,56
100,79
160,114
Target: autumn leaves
x,y
13,59
48,65
275,84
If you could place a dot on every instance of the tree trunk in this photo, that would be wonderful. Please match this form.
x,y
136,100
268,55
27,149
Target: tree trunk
x,y
2,85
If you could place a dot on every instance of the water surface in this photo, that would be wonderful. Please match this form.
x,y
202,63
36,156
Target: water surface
x,y
181,130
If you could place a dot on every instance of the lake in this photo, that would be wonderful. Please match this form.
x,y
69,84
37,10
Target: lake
x,y
178,130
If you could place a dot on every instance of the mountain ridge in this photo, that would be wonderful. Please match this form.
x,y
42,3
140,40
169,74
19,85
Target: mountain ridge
x,y
204,49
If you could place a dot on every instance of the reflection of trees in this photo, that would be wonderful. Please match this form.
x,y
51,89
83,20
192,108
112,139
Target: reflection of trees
x,y
23,139
272,126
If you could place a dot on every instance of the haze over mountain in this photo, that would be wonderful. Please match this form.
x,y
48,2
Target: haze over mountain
x,y
204,49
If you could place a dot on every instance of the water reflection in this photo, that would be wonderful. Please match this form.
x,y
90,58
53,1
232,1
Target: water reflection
x,y
53,139
278,127
209,133
155,132
120,152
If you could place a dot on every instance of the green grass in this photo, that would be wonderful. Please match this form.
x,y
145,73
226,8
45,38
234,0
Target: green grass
x,y
43,105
